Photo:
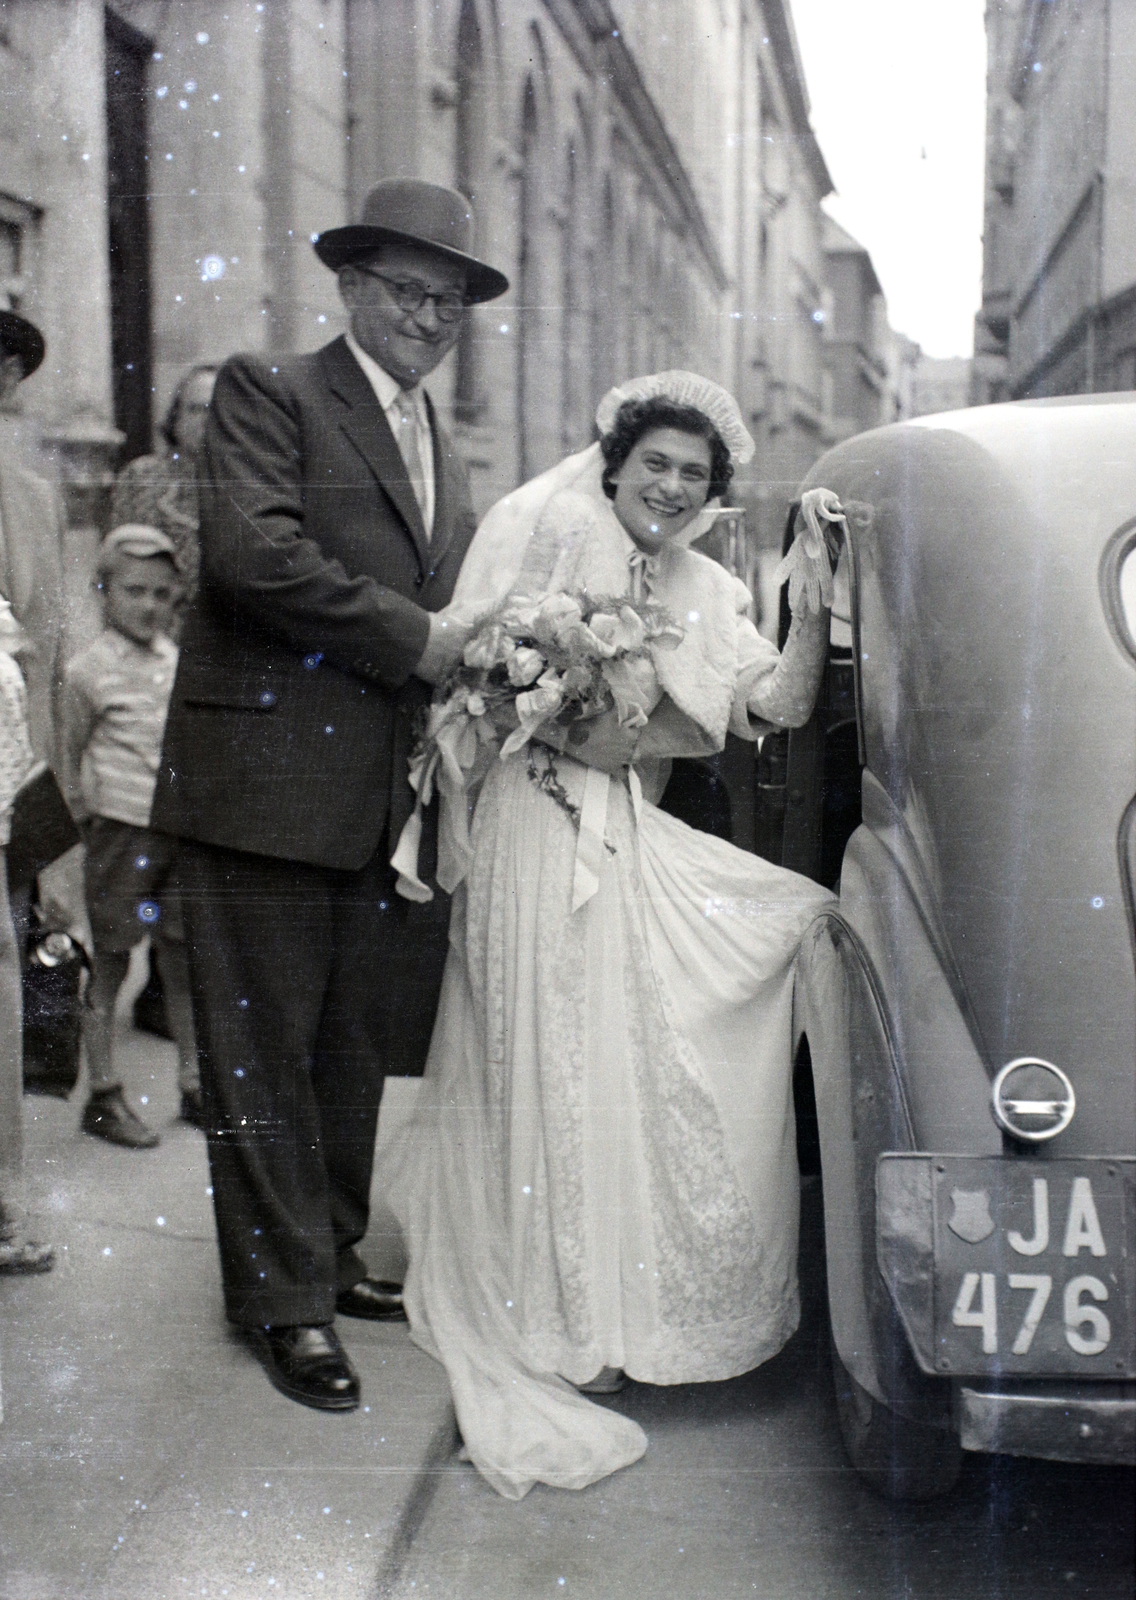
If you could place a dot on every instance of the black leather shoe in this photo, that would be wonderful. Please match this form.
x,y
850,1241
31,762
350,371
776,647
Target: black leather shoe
x,y
308,1365
381,1302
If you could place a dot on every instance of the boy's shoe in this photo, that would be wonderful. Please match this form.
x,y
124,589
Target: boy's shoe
x,y
192,1108
107,1116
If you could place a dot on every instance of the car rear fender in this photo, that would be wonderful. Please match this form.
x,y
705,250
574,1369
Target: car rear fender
x,y
889,901
861,1109
865,1013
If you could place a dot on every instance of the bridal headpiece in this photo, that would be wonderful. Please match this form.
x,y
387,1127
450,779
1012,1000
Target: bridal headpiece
x,y
685,389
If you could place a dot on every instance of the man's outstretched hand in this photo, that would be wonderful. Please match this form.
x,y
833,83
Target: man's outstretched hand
x,y
443,650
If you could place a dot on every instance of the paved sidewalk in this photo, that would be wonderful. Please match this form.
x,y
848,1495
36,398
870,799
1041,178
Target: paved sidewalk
x,y
143,1453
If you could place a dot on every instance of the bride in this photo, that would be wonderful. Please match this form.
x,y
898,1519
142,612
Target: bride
x,y
601,1175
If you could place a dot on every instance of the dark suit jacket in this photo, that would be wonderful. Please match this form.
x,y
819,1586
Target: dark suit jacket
x,y
291,717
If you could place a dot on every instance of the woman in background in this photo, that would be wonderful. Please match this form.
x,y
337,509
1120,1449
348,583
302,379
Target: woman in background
x,y
160,490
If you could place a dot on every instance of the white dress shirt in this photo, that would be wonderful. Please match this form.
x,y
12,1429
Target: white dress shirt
x,y
387,392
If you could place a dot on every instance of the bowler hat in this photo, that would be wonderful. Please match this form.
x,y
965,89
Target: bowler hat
x,y
19,337
408,211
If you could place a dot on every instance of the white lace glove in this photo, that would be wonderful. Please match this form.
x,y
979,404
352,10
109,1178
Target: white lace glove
x,y
808,565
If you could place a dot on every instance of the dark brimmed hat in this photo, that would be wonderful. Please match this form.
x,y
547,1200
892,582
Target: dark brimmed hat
x,y
19,337
408,211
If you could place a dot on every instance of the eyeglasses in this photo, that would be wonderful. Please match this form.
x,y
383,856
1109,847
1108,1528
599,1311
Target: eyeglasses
x,y
410,295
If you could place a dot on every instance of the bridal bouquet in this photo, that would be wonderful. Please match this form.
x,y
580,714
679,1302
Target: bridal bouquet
x,y
561,659
554,662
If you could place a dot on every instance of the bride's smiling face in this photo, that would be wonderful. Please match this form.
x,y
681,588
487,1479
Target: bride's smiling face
x,y
662,486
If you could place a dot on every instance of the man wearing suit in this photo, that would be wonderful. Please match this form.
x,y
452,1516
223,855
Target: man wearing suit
x,y
335,518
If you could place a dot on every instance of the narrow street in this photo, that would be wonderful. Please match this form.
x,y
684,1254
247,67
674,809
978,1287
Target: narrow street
x,y
143,1455
745,1491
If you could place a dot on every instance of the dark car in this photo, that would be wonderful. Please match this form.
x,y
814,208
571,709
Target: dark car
x,y
969,1004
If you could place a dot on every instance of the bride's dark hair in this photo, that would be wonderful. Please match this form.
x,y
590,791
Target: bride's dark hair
x,y
637,417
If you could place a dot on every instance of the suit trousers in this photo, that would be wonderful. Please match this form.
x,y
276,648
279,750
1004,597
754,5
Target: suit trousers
x,y
309,986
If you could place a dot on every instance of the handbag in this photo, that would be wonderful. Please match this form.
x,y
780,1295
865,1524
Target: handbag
x,y
51,985
42,829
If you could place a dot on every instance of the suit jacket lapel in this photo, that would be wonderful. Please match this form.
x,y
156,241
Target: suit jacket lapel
x,y
367,427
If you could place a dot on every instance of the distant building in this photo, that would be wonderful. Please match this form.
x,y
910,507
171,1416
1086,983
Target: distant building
x,y
940,383
870,369
785,403
903,360
644,173
1058,309
855,349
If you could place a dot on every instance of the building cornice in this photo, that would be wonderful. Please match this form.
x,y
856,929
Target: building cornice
x,y
1090,317
1076,214
783,42
611,57
1025,48
577,35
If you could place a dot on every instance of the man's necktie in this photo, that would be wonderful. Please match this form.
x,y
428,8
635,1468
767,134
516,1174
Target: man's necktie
x,y
408,445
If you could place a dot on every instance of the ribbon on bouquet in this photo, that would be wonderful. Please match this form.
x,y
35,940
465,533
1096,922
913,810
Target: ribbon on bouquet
x,y
590,839
447,769
593,820
405,858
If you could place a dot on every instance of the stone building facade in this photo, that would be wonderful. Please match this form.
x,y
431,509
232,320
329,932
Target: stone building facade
x,y
941,383
856,336
1058,309
869,368
643,170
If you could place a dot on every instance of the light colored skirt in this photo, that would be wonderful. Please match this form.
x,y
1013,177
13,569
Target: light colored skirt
x,y
602,1167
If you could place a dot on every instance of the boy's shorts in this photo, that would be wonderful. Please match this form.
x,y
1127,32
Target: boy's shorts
x,y
130,879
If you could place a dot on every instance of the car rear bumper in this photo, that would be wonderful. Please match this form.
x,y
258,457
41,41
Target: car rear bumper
x,y
1057,1422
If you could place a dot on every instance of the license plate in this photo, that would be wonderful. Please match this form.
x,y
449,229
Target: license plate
x,y
1034,1266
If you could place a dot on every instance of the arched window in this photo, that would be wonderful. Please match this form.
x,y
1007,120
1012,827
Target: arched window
x,y
569,298
579,297
539,319
638,348
471,164
654,301
607,342
528,277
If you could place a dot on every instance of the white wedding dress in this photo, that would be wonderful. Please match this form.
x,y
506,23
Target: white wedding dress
x,y
602,1168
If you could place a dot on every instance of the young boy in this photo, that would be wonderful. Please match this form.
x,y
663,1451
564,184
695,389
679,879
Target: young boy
x,y
115,697
18,1253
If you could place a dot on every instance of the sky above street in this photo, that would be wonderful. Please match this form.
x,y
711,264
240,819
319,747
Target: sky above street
x,y
899,105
